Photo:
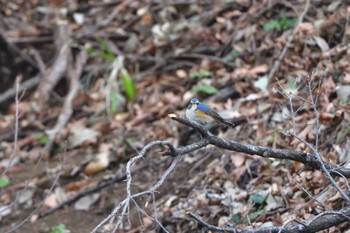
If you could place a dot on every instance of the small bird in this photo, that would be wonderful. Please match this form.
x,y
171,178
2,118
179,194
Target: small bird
x,y
203,114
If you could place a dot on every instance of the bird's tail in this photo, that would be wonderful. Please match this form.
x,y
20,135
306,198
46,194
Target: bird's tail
x,y
227,123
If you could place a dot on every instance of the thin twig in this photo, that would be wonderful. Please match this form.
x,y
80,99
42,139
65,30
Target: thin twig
x,y
315,149
98,187
124,205
53,185
26,85
212,227
304,189
15,140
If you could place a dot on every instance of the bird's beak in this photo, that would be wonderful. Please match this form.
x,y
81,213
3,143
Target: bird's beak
x,y
189,106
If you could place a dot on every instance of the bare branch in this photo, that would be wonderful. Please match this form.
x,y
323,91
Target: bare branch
x,y
266,152
124,205
320,222
212,227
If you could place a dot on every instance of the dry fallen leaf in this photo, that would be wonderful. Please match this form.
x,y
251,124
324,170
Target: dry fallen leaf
x,y
303,134
51,201
84,203
322,44
100,163
80,134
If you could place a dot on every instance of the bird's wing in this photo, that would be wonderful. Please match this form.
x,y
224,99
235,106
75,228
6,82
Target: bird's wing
x,y
207,110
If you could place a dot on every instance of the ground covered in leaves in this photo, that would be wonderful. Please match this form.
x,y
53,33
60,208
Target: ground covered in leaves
x,y
96,81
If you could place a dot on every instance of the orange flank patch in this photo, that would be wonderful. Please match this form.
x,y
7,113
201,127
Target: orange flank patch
x,y
202,114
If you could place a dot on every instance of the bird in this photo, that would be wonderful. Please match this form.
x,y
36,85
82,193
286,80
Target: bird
x,y
203,114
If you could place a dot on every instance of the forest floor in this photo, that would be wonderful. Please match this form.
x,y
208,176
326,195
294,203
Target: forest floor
x,y
87,84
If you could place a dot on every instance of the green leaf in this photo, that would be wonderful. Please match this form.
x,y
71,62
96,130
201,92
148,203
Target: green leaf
x,y
343,102
255,215
318,23
95,53
4,182
201,74
116,102
42,138
104,46
129,85
286,23
271,25
252,216
60,228
236,218
283,23
107,56
232,56
259,198
272,139
106,52
92,52
91,123
207,89
57,150
292,84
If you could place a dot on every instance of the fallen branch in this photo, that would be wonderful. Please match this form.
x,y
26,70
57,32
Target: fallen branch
x,y
74,73
28,84
58,69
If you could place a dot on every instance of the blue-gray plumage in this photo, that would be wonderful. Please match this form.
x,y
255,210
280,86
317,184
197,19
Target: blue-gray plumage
x,y
203,114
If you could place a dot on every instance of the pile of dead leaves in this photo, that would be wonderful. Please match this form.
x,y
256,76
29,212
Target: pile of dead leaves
x,y
96,81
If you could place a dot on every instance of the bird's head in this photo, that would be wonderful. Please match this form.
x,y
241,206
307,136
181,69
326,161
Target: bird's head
x,y
194,102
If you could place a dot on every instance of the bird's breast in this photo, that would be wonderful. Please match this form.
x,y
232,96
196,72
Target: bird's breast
x,y
198,116
202,114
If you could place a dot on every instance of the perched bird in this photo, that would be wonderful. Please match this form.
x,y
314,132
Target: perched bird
x,y
203,114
